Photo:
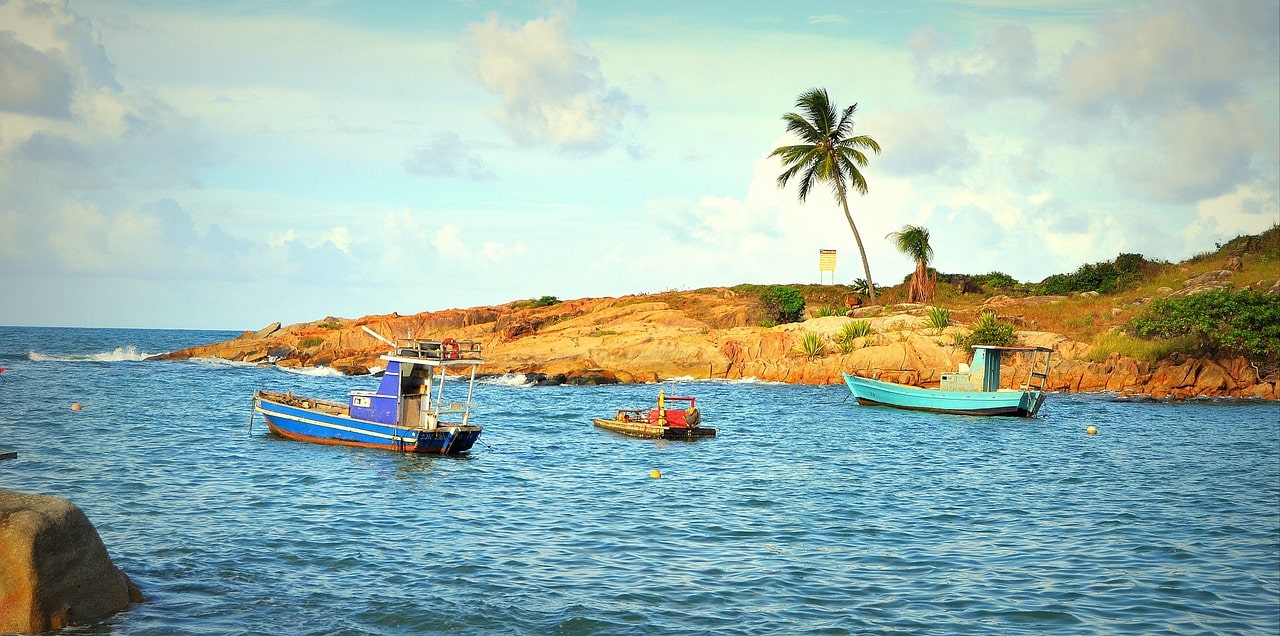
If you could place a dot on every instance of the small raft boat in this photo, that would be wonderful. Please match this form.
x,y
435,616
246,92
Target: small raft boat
x,y
410,412
661,422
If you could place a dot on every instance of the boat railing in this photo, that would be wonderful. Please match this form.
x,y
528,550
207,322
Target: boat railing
x,y
446,349
1038,376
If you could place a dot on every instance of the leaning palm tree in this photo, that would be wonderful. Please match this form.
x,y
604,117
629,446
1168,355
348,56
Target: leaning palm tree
x,y
829,153
914,242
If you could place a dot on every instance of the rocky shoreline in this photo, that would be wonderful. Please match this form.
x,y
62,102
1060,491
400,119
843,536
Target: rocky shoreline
x,y
706,334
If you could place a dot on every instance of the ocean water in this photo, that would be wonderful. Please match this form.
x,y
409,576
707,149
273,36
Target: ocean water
x,y
808,514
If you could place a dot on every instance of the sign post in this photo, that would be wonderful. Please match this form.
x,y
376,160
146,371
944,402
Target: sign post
x,y
826,263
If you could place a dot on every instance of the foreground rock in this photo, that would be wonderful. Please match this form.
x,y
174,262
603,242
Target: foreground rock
x,y
54,569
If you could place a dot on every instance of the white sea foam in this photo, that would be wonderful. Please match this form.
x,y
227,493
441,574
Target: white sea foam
x,y
128,353
223,362
322,372
508,379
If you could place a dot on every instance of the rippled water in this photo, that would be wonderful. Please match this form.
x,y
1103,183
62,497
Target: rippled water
x,y
807,515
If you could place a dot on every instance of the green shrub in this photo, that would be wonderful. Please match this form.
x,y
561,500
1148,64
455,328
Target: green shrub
x,y
939,318
546,301
827,310
1104,278
307,343
782,304
331,325
1222,322
989,331
812,345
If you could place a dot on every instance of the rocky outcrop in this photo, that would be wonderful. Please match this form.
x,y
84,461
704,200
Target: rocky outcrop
x,y
707,334
54,569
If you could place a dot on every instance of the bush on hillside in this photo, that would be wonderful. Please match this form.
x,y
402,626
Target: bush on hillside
x,y
1223,322
1104,278
782,304
989,331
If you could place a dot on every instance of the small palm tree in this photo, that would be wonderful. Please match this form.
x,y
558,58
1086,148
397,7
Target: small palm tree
x,y
913,241
829,152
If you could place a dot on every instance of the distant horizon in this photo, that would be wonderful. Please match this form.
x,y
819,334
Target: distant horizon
x,y
198,164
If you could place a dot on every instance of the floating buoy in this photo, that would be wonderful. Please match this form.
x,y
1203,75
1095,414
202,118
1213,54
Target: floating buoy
x,y
655,474
75,406
1092,430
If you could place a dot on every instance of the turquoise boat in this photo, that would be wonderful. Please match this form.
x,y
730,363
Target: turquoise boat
x,y
972,390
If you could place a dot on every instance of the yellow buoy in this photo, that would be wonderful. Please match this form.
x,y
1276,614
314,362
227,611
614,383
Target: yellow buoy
x,y
1092,430
75,406
655,474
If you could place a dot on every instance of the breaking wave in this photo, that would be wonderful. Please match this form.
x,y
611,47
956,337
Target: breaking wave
x,y
128,353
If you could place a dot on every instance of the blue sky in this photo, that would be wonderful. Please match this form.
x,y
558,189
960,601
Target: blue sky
x,y
227,165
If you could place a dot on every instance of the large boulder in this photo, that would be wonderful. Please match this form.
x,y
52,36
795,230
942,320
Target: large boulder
x,y
54,569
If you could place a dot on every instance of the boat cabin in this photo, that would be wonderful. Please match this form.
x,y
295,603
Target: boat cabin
x,y
983,372
687,417
414,371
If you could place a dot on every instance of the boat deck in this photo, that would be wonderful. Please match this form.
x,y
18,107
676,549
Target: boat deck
x,y
311,404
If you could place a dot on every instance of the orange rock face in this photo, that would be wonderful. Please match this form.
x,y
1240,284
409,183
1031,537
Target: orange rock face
x,y
709,335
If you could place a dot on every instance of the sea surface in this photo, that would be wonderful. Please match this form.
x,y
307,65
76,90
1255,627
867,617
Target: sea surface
x,y
808,514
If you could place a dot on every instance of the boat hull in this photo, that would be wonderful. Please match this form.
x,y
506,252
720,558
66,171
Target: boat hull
x,y
310,425
644,429
870,392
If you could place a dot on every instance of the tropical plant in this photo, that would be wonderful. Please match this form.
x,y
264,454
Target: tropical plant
x,y
827,310
851,331
913,241
939,318
828,152
990,331
861,288
812,345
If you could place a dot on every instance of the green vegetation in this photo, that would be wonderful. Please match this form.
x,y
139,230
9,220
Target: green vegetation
x,y
600,333
1221,322
1130,347
828,152
545,301
826,311
1105,278
939,318
861,288
850,332
307,343
812,345
990,331
330,325
780,304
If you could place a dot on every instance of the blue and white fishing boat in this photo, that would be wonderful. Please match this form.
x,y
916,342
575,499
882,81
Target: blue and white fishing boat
x,y
973,390
410,412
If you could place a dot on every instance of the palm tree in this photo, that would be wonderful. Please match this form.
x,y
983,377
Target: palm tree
x,y
914,242
828,153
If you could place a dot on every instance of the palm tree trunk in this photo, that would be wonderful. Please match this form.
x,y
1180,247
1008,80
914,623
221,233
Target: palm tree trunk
x,y
866,268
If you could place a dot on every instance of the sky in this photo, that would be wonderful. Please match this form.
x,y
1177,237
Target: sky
x,y
226,165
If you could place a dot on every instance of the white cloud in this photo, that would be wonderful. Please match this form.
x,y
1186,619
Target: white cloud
x,y
446,155
550,90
